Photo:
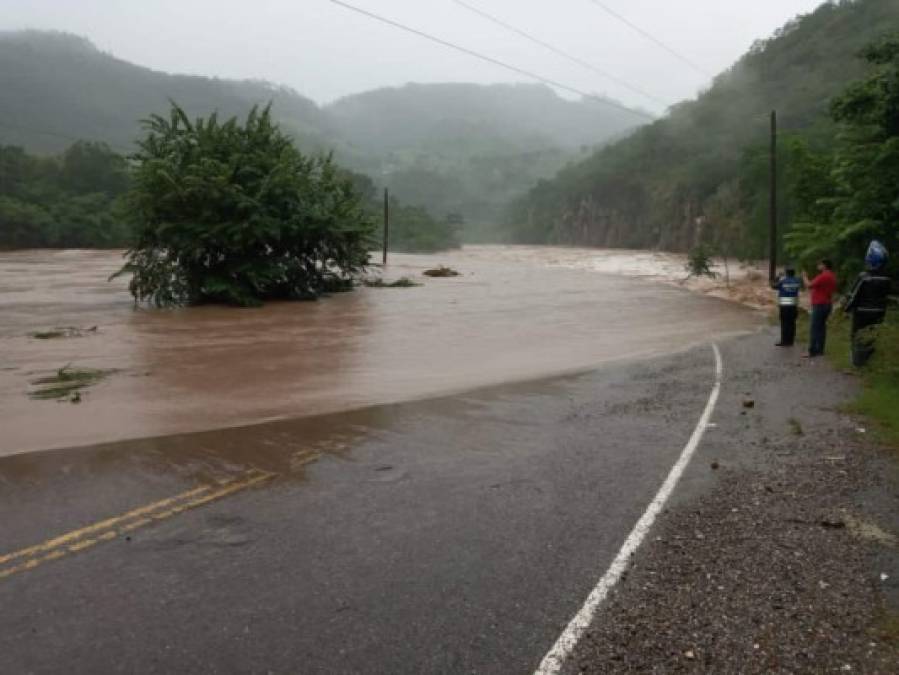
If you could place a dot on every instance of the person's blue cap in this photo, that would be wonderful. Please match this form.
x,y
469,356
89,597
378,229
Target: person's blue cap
x,y
877,255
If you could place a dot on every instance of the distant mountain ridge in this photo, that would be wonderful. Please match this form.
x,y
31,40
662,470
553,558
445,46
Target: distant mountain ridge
x,y
450,147
55,87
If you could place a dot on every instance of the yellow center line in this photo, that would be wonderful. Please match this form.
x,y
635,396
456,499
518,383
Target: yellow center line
x,y
73,542
102,525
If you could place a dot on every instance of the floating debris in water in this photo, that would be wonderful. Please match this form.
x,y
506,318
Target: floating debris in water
x,y
62,332
402,282
67,382
441,271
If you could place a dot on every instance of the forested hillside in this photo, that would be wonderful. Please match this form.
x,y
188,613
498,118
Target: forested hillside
x,y
701,172
463,149
56,88
468,148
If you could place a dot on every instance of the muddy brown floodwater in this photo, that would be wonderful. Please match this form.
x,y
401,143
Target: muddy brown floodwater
x,y
515,313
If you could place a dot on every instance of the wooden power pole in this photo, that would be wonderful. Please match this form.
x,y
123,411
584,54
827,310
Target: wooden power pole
x,y
386,224
772,207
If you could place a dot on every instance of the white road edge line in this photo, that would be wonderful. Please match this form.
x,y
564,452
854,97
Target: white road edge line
x,y
554,660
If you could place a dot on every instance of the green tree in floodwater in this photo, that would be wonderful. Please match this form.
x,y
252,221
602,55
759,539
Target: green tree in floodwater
x,y
699,262
858,199
234,213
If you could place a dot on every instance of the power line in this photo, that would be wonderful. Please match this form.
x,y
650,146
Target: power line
x,y
649,36
490,59
560,52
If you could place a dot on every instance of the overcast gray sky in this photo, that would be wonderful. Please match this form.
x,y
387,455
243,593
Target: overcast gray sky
x,y
324,51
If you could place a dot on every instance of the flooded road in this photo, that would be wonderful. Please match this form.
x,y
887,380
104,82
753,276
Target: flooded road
x,y
514,314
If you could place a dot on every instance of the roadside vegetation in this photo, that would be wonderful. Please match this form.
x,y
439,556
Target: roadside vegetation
x,y
850,197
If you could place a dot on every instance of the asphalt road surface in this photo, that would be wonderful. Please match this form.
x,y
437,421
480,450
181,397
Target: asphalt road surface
x,y
445,536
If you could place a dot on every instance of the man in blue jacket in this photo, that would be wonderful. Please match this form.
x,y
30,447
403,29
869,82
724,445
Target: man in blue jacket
x,y
788,287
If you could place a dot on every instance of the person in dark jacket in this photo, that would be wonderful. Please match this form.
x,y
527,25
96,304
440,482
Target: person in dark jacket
x,y
788,287
867,302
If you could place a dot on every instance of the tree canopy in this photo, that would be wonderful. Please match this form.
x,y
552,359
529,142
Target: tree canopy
x,y
70,201
853,192
234,213
462,148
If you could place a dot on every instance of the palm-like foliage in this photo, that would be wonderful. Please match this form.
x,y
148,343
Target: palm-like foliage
x,y
230,212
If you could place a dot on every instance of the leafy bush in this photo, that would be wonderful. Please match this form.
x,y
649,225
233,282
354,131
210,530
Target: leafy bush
x,y
699,262
234,213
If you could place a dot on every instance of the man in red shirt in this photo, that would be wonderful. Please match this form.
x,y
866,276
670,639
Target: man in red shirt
x,y
822,289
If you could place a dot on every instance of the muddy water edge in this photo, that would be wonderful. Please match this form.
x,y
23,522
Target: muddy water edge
x,y
513,314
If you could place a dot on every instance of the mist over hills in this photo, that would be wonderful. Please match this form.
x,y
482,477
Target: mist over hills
x,y
450,147
706,160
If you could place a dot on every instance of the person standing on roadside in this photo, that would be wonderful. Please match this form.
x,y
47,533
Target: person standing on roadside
x,y
867,302
822,288
788,287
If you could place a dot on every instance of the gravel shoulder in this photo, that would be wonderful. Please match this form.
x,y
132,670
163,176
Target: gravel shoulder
x,y
779,553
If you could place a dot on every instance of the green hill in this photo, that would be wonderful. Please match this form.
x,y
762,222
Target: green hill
x,y
56,88
468,148
453,148
704,165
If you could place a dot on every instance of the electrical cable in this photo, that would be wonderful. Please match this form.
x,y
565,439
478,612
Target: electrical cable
x,y
649,36
490,59
562,53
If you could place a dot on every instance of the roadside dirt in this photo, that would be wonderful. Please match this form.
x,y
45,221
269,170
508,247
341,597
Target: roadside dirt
x,y
780,554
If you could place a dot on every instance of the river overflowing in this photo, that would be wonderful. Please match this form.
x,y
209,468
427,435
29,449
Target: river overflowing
x,y
513,314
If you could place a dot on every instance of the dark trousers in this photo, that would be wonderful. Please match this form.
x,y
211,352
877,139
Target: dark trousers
x,y
818,330
863,342
788,315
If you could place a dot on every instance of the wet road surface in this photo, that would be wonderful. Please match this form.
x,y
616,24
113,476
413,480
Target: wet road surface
x,y
458,534
515,314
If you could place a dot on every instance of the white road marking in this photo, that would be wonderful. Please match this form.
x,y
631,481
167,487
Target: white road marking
x,y
554,660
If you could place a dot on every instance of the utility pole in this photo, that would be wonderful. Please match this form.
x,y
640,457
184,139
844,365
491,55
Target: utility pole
x,y
386,224
772,208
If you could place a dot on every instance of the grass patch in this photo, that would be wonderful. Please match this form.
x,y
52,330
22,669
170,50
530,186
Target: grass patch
x,y
402,282
879,401
887,629
879,397
795,426
67,382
